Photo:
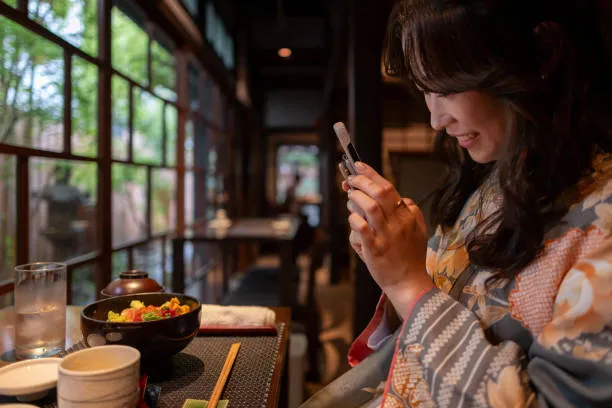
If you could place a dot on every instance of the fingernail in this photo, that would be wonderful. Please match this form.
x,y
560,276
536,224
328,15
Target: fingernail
x,y
360,166
350,179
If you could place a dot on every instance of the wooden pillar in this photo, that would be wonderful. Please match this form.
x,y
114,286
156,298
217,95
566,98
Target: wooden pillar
x,y
366,32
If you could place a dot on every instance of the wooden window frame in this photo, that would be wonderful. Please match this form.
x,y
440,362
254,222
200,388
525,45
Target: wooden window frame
x,y
102,257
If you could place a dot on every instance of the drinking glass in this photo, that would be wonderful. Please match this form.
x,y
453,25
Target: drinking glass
x,y
40,308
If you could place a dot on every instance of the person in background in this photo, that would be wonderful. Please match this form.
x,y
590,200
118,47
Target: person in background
x,y
509,304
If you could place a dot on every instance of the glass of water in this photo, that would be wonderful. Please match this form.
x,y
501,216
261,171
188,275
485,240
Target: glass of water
x,y
40,308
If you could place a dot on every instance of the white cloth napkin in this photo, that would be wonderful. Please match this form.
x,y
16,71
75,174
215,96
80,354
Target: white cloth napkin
x,y
215,315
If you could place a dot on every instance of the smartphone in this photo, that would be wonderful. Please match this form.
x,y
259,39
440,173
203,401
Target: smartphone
x,y
350,157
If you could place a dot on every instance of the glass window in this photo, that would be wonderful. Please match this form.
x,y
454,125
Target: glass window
x,y
129,203
191,6
171,134
148,127
84,108
120,129
62,209
76,21
163,201
120,263
189,198
193,78
149,258
31,89
189,143
302,160
218,36
8,216
209,99
163,71
129,44
83,285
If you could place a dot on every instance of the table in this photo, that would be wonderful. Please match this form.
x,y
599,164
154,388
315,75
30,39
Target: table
x,y
278,387
245,230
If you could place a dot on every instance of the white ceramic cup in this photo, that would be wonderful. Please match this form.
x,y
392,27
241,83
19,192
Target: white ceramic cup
x,y
99,377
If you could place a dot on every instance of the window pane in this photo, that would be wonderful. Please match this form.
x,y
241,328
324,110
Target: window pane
x,y
84,108
191,6
163,201
148,130
171,135
189,143
189,198
129,45
163,71
76,21
129,203
8,216
208,99
148,258
121,112
83,285
120,263
62,209
194,86
31,89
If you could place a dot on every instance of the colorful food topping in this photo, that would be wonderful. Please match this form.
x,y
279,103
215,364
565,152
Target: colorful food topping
x,y
138,312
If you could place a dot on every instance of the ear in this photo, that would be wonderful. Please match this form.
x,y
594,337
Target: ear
x,y
549,38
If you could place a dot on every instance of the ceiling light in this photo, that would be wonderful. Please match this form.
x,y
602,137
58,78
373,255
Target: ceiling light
x,y
284,52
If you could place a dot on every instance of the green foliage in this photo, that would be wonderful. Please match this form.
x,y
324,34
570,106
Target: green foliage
x,y
120,263
163,71
129,44
84,108
31,88
120,93
171,134
74,20
148,127
10,2
163,194
123,174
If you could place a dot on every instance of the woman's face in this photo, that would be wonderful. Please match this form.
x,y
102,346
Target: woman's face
x,y
475,119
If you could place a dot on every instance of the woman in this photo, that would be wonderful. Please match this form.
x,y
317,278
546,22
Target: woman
x,y
510,305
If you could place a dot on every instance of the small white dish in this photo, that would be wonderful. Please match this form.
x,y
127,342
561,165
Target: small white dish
x,y
29,380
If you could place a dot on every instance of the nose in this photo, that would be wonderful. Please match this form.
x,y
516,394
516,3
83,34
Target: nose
x,y
439,117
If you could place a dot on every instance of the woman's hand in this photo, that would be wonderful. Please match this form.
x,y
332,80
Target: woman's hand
x,y
390,236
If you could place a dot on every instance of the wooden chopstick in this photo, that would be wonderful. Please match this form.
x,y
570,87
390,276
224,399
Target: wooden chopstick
x,y
227,367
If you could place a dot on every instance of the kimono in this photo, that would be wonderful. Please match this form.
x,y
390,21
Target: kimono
x,y
540,339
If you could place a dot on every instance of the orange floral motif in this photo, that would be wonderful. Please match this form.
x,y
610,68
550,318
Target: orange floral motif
x,y
408,382
490,308
508,391
584,301
589,352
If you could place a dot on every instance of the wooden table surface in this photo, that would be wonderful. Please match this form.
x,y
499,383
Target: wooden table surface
x,y
74,335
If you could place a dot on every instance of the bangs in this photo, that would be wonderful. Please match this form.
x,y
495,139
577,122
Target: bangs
x,y
455,49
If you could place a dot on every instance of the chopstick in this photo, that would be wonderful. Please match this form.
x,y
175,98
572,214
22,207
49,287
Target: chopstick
x,y
227,367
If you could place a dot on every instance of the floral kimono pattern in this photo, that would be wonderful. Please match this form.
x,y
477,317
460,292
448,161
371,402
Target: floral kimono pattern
x,y
541,339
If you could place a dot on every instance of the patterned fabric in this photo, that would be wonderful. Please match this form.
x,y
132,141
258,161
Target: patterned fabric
x,y
542,339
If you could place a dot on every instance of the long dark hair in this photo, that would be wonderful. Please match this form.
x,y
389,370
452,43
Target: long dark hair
x,y
554,122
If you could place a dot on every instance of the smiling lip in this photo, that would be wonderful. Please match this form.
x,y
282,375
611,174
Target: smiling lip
x,y
466,140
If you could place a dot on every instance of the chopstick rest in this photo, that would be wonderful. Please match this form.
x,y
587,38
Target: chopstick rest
x,y
192,403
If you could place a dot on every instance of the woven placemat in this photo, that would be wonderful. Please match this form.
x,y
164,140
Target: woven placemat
x,y
194,371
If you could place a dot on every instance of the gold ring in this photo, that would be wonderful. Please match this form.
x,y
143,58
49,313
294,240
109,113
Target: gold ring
x,y
399,203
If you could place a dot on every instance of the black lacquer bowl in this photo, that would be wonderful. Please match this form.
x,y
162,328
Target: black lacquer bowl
x,y
156,340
